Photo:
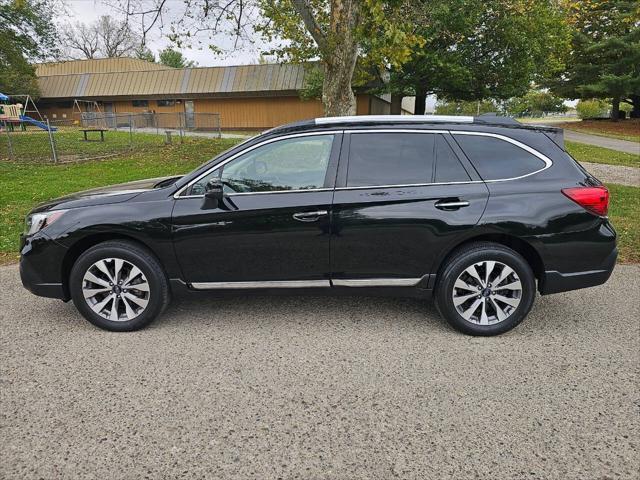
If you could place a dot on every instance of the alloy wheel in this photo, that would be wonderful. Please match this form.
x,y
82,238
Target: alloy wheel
x,y
487,292
116,289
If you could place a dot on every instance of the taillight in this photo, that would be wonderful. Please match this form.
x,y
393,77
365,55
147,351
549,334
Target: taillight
x,y
594,199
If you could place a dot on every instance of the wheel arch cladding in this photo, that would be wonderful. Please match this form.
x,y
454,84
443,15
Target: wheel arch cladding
x,y
528,252
85,243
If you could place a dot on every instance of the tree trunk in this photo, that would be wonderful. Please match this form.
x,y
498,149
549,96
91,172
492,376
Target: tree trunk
x,y
420,102
635,103
396,104
615,109
339,53
337,95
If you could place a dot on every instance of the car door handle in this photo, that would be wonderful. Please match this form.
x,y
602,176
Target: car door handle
x,y
451,205
310,216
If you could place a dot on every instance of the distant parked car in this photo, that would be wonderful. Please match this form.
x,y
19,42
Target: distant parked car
x,y
476,212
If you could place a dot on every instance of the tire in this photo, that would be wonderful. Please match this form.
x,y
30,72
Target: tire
x,y
142,294
497,310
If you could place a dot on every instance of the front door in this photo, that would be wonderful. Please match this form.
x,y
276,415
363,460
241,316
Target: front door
x,y
272,229
402,198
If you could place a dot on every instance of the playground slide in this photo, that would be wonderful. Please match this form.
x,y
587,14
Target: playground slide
x,y
37,123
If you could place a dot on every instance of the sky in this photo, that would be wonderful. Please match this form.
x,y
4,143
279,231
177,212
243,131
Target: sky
x,y
87,11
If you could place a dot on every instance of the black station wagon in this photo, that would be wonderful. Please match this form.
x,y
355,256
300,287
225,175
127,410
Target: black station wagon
x,y
479,213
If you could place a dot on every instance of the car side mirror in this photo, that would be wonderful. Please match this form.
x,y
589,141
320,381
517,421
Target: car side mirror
x,y
213,193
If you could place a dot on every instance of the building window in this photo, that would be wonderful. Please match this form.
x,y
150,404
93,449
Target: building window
x,y
166,103
140,103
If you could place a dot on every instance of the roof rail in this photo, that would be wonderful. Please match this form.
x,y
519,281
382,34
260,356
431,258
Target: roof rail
x,y
395,119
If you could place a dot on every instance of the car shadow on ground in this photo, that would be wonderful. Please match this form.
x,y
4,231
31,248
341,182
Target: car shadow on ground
x,y
204,311
343,309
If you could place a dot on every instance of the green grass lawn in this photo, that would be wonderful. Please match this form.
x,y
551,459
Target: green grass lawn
x,y
590,153
34,145
22,186
624,211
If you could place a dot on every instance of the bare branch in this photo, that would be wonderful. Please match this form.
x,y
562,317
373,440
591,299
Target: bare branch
x,y
104,38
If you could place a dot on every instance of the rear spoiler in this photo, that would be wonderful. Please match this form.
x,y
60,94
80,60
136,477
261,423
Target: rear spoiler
x,y
556,135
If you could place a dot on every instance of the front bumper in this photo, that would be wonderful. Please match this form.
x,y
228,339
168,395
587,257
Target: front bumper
x,y
41,261
556,282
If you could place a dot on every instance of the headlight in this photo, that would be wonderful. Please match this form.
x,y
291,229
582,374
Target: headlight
x,y
37,221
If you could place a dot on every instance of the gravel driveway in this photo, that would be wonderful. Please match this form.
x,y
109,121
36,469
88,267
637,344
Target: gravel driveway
x,y
321,387
614,173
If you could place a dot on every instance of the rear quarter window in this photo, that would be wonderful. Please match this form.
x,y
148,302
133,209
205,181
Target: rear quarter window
x,y
497,159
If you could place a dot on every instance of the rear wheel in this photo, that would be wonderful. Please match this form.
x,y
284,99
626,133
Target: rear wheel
x,y
118,286
485,289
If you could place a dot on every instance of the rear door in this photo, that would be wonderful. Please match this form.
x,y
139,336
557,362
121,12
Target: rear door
x,y
402,197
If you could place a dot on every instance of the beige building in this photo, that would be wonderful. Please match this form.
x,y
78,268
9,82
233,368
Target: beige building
x,y
245,97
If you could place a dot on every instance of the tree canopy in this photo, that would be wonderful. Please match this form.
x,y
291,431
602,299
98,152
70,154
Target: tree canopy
x,y
480,49
107,37
27,34
174,58
604,61
336,33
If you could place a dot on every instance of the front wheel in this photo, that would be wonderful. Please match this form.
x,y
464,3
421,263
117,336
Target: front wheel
x,y
485,289
118,286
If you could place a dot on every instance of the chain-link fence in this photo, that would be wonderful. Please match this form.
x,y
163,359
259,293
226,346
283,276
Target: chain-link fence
x,y
100,135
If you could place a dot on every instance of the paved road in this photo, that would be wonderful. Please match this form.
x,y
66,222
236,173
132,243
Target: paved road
x,y
605,142
311,388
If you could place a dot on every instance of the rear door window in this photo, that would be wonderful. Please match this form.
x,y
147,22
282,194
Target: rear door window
x,y
377,159
496,159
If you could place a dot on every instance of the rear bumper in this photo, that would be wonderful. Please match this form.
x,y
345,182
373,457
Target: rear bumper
x,y
556,282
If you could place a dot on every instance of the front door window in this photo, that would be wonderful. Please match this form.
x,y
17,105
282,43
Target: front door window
x,y
298,163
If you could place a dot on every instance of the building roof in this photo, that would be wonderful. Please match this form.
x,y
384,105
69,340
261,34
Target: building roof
x,y
245,80
97,65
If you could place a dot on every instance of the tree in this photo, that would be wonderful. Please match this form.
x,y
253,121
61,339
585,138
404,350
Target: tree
x,y
479,49
27,34
535,103
104,38
336,32
175,59
466,107
592,108
80,38
604,60
143,53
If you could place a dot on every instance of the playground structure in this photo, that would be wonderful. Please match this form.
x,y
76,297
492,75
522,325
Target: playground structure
x,y
12,115
90,114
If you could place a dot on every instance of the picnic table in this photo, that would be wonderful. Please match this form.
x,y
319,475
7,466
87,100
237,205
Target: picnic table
x,y
86,130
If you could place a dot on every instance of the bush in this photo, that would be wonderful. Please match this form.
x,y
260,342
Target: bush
x,y
535,103
593,108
